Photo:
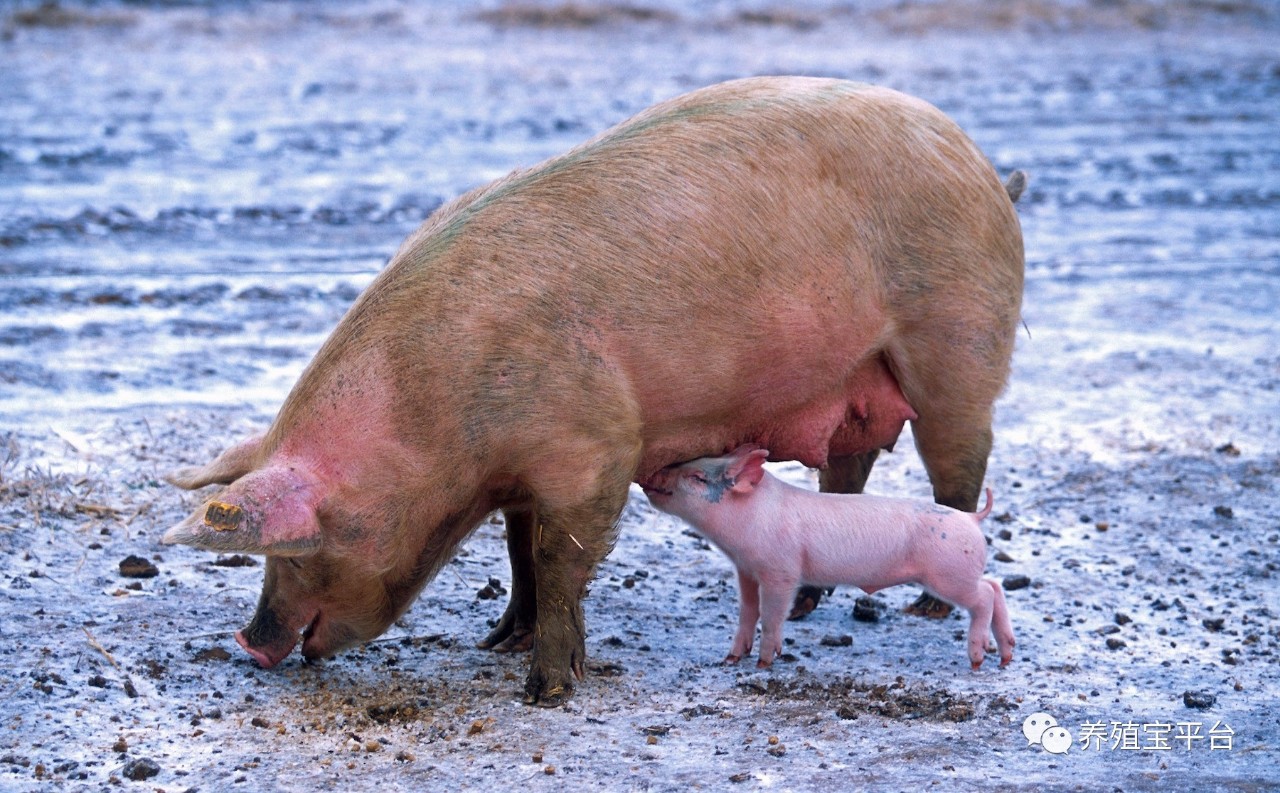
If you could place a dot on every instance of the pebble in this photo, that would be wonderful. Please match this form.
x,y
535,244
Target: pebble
x,y
137,567
1200,700
866,609
1013,583
140,769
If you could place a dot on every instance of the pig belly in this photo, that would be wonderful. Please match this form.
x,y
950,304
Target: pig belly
x,y
868,414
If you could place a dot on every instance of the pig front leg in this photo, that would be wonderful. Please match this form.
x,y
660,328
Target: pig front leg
x,y
514,632
568,543
748,616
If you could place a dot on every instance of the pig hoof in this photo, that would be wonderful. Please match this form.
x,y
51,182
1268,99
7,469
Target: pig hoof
x,y
763,664
508,637
1004,661
732,659
518,642
806,601
552,697
928,606
977,665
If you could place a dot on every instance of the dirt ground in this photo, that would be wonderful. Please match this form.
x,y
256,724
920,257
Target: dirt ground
x,y
191,195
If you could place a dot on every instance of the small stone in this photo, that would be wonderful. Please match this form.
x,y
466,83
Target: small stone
x,y
236,560
213,654
1224,512
1122,618
137,567
1213,625
1001,556
1200,700
1115,644
140,769
1013,583
866,609
120,746
843,640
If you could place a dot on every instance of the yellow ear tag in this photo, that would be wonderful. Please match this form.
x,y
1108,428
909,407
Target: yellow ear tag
x,y
223,517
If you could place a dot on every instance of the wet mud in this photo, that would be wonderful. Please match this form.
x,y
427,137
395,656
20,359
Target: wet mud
x,y
192,194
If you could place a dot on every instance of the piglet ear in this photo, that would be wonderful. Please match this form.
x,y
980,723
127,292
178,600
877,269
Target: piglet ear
x,y
747,470
269,511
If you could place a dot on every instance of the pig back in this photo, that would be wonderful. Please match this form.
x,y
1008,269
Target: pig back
x,y
738,251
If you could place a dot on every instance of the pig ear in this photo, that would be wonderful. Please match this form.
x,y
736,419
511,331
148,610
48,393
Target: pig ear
x,y
270,511
225,469
748,471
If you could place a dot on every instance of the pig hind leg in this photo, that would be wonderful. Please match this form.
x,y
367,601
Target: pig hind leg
x,y
842,475
514,632
1000,625
951,375
977,598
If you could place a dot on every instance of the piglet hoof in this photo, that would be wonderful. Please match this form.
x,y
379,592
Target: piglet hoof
x,y
976,665
928,606
1004,660
763,664
732,659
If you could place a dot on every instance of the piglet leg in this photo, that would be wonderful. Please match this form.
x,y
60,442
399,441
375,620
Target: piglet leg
x,y
748,616
775,603
979,601
1000,624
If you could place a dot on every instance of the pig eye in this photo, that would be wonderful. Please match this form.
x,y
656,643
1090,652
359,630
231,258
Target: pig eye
x,y
699,476
297,564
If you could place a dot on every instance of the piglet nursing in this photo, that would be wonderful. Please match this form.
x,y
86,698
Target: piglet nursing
x,y
780,537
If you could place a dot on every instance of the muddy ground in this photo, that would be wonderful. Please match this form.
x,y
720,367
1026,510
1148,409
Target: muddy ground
x,y
192,194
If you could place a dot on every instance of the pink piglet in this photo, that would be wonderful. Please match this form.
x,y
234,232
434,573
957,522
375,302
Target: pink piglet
x,y
779,537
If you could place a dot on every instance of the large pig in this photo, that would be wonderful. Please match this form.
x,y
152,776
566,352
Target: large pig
x,y
780,536
792,262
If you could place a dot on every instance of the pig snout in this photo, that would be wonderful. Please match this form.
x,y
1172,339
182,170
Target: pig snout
x,y
269,639
285,613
